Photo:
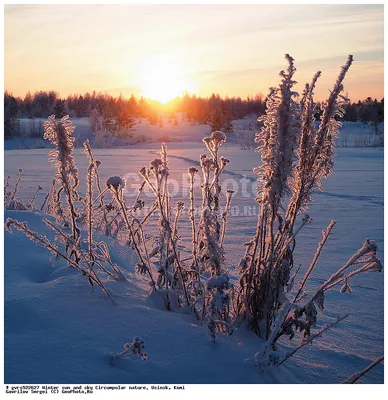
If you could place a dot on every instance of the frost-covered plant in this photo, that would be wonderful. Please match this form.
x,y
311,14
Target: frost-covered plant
x,y
115,218
90,173
116,185
300,314
218,305
186,280
66,181
11,201
171,275
196,287
192,172
6,190
209,255
215,164
245,138
270,357
371,135
296,156
60,135
210,251
98,252
134,348
229,194
101,211
31,203
87,270
262,275
355,377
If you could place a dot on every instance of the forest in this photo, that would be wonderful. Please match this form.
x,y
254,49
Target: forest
x,y
121,112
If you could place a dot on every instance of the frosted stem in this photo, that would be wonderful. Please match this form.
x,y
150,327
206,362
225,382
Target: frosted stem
x,y
311,338
355,377
325,235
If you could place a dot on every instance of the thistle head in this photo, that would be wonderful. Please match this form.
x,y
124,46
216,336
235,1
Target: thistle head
x,y
224,161
115,182
155,165
144,172
180,205
8,224
375,265
218,138
192,171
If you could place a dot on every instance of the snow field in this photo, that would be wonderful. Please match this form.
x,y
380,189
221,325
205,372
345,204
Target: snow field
x,y
56,333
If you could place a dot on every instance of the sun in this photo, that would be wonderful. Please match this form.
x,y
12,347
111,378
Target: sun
x,y
163,79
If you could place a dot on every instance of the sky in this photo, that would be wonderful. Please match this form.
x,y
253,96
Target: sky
x,y
163,50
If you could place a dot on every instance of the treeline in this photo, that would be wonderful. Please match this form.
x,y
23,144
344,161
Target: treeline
x,y
120,112
369,110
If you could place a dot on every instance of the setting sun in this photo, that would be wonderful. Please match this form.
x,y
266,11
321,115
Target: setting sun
x,y
163,79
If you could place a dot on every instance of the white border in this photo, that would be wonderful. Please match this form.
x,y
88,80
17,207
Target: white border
x,y
269,392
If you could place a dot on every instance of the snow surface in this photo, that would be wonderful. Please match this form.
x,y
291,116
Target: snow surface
x,y
55,332
144,132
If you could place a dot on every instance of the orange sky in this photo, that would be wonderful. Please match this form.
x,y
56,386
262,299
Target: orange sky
x,y
161,51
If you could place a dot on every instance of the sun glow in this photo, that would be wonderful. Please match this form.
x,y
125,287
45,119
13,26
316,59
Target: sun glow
x,y
163,79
